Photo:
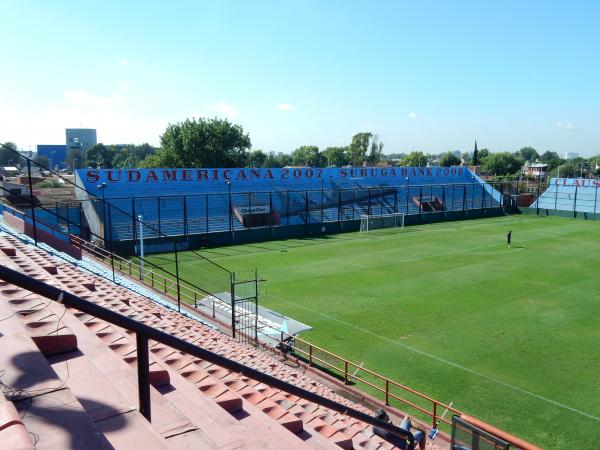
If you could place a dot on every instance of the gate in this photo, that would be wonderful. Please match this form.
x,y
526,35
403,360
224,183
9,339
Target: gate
x,y
244,306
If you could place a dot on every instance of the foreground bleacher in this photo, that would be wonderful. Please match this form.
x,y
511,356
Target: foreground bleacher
x,y
72,376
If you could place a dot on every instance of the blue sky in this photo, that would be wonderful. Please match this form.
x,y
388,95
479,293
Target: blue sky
x,y
429,76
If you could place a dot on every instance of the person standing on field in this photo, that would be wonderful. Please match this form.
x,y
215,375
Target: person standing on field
x,y
508,238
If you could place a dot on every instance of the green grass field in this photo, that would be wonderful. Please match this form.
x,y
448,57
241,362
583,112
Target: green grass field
x,y
510,335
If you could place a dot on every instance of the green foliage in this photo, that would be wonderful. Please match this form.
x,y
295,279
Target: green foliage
x,y
336,156
42,161
130,156
50,184
502,163
358,148
278,160
201,143
100,155
552,159
449,159
476,157
527,154
482,154
257,158
307,155
376,154
415,159
8,157
571,168
75,159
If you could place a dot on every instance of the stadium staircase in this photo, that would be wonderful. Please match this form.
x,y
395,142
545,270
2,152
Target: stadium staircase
x,y
72,378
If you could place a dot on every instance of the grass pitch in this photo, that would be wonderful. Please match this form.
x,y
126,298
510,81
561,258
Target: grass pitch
x,y
510,335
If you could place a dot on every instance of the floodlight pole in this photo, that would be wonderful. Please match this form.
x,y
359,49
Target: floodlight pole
x,y
140,219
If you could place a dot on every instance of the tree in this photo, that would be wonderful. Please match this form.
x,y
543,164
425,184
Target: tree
x,y
376,154
42,161
527,154
415,159
358,148
100,155
257,158
552,159
336,156
307,155
449,159
482,154
75,159
278,160
502,163
8,155
475,160
130,156
201,143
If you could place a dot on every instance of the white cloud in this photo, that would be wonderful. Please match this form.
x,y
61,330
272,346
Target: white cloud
x,y
83,98
124,62
413,115
566,126
227,109
223,109
285,107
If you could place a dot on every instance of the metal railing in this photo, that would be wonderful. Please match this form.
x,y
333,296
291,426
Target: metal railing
x,y
144,333
348,371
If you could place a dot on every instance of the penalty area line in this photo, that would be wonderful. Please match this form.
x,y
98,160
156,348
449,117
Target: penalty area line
x,y
450,363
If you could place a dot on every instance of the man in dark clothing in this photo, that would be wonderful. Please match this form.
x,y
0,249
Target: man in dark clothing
x,y
508,238
394,439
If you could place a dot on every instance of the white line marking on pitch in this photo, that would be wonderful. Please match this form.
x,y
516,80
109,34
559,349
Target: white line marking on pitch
x,y
352,264
450,363
358,368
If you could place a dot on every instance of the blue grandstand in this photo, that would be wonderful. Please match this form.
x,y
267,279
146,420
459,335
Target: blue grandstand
x,y
177,202
570,194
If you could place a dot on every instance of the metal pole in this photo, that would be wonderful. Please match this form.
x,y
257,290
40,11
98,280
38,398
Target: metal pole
x,y
112,253
143,372
420,200
80,221
159,221
177,276
595,199
206,217
185,218
31,202
575,202
230,207
307,218
249,210
555,196
407,195
141,220
271,211
133,216
232,284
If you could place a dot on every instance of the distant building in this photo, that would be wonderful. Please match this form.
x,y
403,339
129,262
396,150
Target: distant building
x,y
571,155
536,170
80,138
56,154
